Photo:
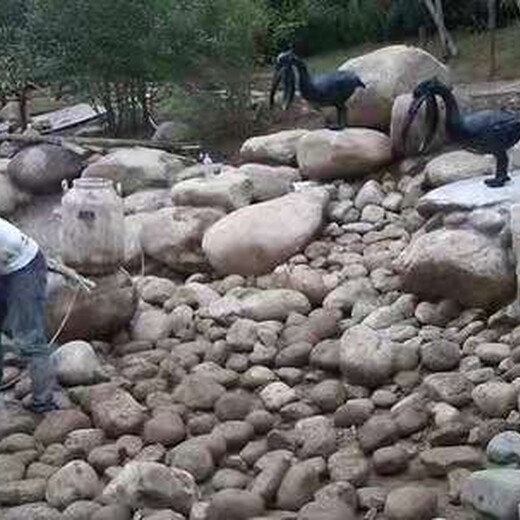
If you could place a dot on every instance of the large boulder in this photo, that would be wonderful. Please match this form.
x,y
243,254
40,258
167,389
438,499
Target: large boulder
x,y
95,315
460,265
258,305
152,485
147,201
418,129
279,148
10,195
77,364
328,154
137,168
173,236
467,195
254,240
494,493
75,481
133,228
387,73
41,169
365,357
269,182
228,192
457,166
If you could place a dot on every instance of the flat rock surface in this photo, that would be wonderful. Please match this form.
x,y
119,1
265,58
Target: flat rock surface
x,y
469,194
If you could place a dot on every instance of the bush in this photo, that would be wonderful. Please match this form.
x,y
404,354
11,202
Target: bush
x,y
217,98
113,51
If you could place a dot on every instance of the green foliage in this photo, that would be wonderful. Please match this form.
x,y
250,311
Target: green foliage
x,y
224,47
18,65
112,50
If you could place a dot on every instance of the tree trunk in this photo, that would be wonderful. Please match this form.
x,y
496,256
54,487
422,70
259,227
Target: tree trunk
x,y
492,25
448,46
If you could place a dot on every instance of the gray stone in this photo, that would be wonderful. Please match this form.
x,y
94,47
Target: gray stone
x,y
229,479
452,388
390,461
173,236
353,413
388,72
77,364
22,492
75,481
411,503
328,395
276,395
269,182
235,504
41,169
492,353
165,428
468,195
137,168
317,437
244,243
457,166
58,424
440,355
236,433
115,411
81,510
149,484
298,486
365,358
38,511
493,492
228,192
278,148
349,465
495,398
195,459
440,461
457,264
12,468
378,431
326,154
330,510
504,448
198,392
258,305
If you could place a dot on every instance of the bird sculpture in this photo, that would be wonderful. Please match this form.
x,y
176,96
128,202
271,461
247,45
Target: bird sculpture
x,y
483,132
332,89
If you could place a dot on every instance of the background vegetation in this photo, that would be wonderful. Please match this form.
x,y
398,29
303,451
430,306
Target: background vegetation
x,y
193,58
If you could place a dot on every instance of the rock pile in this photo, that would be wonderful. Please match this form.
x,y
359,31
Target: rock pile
x,y
313,352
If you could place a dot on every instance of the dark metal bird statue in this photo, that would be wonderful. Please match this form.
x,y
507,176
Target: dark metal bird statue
x,y
332,89
484,132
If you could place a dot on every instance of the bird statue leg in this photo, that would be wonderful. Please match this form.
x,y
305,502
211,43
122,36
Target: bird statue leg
x,y
501,176
342,116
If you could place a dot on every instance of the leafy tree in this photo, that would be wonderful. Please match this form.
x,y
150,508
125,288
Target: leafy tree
x,y
115,51
18,65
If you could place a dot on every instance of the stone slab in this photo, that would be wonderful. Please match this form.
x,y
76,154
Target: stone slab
x,y
468,195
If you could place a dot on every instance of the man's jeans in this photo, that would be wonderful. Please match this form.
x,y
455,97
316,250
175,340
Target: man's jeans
x,y
22,297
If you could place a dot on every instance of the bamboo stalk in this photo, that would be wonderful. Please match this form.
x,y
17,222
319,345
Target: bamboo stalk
x,y
437,14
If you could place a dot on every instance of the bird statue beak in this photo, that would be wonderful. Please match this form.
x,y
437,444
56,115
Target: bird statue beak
x,y
362,85
413,110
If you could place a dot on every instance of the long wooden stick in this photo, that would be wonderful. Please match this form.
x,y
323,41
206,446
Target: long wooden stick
x,y
438,18
101,142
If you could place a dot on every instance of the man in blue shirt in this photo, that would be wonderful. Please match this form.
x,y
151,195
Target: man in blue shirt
x,y
23,279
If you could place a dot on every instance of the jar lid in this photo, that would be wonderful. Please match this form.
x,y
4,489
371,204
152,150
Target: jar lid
x,y
92,182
